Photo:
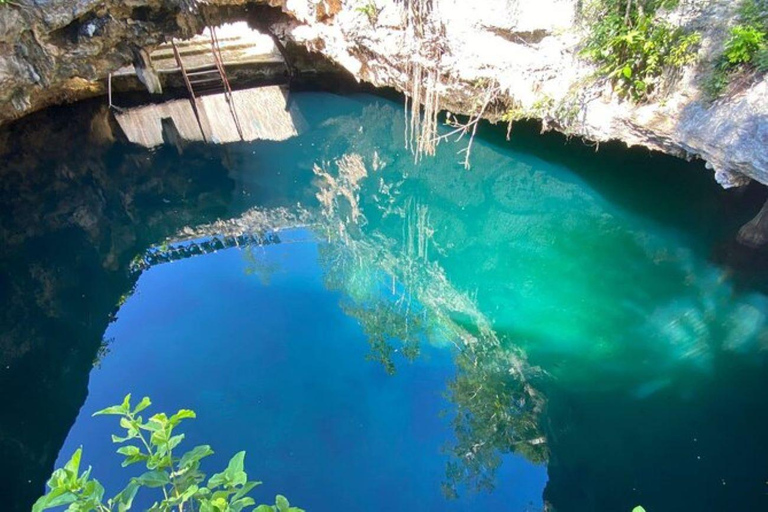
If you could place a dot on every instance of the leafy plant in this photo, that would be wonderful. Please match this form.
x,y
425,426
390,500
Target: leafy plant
x,y
370,11
178,480
634,48
746,48
754,12
761,59
743,44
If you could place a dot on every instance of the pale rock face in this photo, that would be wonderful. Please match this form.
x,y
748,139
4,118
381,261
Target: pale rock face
x,y
46,46
511,15
531,49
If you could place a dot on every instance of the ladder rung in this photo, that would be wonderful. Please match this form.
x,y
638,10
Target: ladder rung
x,y
206,80
206,72
208,89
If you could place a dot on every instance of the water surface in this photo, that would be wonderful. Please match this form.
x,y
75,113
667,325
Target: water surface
x,y
548,328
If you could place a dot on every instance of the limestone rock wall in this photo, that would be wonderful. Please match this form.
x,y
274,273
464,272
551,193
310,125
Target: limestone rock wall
x,y
531,49
52,51
56,50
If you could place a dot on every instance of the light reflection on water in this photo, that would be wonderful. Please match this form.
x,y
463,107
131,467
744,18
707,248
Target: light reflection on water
x,y
534,310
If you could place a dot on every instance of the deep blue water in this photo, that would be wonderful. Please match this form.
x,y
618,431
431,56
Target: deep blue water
x,y
553,328
278,369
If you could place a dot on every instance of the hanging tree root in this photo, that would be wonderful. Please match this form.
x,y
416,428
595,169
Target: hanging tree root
x,y
422,99
460,130
423,72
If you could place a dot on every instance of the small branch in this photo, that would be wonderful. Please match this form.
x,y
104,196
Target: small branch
x,y
470,126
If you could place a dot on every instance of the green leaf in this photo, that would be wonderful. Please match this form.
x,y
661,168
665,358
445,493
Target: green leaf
x,y
238,505
126,405
129,450
156,422
126,423
124,499
121,409
55,498
133,460
153,479
233,475
174,441
84,477
219,503
132,455
217,480
182,415
73,465
627,72
94,491
638,509
245,489
191,490
64,498
282,503
145,402
236,462
159,437
195,454
115,409
58,479
264,508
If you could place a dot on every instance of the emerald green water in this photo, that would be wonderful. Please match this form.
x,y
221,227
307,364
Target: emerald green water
x,y
552,328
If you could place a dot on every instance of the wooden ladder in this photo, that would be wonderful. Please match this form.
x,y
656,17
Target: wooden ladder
x,y
211,79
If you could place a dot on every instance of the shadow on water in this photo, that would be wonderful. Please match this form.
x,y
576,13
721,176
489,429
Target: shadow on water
x,y
76,210
680,194
572,288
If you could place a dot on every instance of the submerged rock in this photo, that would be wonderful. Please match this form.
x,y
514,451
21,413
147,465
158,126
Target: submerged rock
x,y
755,233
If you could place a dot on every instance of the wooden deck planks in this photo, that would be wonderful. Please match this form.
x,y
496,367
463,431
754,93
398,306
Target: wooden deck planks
x,y
263,115
262,111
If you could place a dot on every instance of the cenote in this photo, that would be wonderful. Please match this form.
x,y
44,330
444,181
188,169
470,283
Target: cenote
x,y
553,329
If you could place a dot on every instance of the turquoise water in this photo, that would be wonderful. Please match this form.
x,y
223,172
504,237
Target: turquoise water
x,y
551,328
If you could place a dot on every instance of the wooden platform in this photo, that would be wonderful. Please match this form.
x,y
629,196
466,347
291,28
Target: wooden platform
x,y
263,113
239,45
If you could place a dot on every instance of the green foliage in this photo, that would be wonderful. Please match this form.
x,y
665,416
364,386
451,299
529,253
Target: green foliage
x,y
746,48
754,13
633,48
496,414
743,44
541,107
178,481
761,59
370,11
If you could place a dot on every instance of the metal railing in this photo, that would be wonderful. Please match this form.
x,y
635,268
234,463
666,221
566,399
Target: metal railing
x,y
227,88
190,90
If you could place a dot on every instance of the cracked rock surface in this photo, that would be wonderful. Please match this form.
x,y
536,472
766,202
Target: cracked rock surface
x,y
56,50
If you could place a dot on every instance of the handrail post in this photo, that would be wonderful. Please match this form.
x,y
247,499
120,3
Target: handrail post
x,y
216,50
190,90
